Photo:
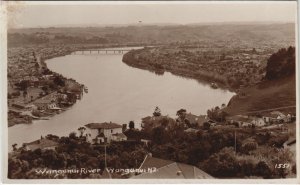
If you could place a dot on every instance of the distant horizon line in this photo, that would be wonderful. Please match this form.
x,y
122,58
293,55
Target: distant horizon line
x,y
153,24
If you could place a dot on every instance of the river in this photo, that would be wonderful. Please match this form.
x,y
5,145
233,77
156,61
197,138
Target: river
x,y
118,93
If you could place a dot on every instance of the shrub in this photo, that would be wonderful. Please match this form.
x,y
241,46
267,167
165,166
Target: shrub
x,y
248,146
263,169
222,164
16,93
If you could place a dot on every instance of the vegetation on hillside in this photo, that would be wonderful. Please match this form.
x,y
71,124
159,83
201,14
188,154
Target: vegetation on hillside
x,y
281,64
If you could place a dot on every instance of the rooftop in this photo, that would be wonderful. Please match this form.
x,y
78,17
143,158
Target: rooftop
x,y
41,144
166,169
120,135
104,125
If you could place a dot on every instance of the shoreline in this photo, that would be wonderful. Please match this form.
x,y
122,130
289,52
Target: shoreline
x,y
29,118
131,60
42,60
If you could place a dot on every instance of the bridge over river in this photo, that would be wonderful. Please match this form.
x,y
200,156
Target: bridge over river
x,y
100,51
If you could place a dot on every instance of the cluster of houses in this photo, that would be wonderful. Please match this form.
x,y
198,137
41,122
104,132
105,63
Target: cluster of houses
x,y
26,66
267,119
49,102
103,133
192,123
107,132
244,64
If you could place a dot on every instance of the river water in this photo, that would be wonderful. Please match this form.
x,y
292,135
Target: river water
x,y
118,93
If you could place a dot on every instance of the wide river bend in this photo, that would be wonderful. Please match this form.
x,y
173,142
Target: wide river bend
x,y
118,93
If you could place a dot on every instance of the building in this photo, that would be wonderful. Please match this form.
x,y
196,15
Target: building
x,y
53,106
44,104
191,130
197,120
47,102
155,168
258,122
43,144
271,118
119,137
104,132
242,121
156,121
61,96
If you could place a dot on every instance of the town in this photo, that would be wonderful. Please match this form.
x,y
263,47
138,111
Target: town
x,y
230,67
246,138
243,136
35,92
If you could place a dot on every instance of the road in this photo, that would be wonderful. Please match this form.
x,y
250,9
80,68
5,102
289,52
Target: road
x,y
268,110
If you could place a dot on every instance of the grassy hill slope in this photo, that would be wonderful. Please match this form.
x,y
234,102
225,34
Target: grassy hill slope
x,y
265,95
276,91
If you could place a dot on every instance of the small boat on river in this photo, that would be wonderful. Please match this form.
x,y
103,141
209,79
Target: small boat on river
x,y
86,90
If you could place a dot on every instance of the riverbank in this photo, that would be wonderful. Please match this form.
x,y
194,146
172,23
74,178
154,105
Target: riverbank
x,y
243,72
30,82
226,71
37,93
133,59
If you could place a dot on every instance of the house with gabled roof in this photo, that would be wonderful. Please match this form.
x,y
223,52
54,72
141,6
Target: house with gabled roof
x,y
272,117
43,144
104,132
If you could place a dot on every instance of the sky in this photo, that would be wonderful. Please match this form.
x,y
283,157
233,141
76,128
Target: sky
x,y
39,14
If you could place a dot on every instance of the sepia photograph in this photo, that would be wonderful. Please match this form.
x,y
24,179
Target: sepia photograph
x,y
182,91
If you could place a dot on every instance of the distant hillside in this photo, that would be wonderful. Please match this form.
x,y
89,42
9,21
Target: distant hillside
x,y
251,33
277,90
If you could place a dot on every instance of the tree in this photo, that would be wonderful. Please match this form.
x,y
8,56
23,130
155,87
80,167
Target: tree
x,y
278,141
164,122
157,112
23,85
81,130
262,169
58,80
216,114
159,135
15,146
221,116
72,135
36,65
181,115
131,125
281,64
222,164
16,93
206,125
249,146
45,89
41,94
